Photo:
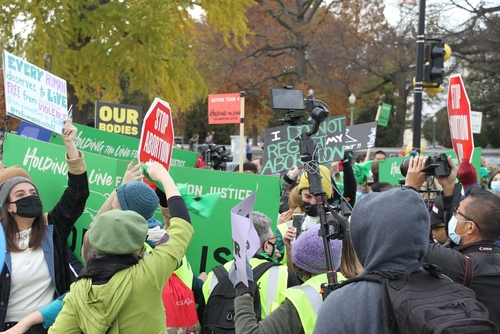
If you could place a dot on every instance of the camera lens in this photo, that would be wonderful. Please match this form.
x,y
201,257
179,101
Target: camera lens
x,y
319,114
405,164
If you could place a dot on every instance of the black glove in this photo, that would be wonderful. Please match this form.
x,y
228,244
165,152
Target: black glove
x,y
238,285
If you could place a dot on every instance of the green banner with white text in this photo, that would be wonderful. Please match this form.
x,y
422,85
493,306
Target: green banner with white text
x,y
118,146
212,243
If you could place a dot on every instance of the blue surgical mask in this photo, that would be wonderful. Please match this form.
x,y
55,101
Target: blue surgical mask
x,y
495,187
452,225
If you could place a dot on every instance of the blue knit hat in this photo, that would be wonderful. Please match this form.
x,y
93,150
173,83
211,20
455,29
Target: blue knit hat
x,y
139,197
308,251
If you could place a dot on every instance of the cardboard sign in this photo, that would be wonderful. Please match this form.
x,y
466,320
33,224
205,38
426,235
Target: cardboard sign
x,y
118,118
459,118
157,135
33,94
118,146
246,241
29,130
360,136
282,152
212,242
389,169
224,108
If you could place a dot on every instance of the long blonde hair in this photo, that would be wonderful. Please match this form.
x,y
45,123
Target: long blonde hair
x,y
295,201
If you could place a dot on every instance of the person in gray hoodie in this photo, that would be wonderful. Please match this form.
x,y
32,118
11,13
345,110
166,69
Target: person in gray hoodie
x,y
389,231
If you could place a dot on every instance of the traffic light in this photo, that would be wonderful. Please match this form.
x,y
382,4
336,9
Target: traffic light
x,y
435,54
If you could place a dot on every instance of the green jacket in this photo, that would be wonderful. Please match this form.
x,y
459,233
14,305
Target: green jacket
x,y
131,301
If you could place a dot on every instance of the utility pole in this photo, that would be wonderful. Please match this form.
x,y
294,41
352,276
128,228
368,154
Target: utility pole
x,y
419,77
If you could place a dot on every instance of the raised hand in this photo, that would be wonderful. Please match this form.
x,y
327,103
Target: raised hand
x,y
133,172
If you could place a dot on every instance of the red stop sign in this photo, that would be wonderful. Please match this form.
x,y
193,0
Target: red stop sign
x,y
459,118
157,135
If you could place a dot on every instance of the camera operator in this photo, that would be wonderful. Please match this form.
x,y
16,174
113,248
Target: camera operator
x,y
474,225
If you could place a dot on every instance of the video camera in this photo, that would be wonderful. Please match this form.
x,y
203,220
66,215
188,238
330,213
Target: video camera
x,y
436,164
290,99
215,155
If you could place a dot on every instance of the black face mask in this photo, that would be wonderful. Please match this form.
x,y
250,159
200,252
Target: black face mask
x,y
310,209
29,206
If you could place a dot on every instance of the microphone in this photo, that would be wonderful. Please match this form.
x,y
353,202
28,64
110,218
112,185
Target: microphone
x,y
202,148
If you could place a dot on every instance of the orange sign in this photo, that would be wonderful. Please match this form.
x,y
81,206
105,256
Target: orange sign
x,y
224,108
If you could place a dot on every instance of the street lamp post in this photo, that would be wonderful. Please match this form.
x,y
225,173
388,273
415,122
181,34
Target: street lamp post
x,y
352,100
434,121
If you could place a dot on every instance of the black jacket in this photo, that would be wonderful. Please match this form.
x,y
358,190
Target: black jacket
x,y
482,260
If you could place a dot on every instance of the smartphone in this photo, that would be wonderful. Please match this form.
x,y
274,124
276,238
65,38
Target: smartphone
x,y
297,221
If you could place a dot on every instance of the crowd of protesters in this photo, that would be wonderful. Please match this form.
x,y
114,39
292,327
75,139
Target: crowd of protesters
x,y
130,257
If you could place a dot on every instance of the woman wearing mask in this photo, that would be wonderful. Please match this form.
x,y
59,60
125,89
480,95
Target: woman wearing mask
x,y
494,183
36,268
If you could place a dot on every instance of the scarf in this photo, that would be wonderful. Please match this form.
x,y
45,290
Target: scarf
x,y
101,269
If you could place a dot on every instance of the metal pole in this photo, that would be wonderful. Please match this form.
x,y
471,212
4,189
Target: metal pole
x,y
352,114
433,134
419,76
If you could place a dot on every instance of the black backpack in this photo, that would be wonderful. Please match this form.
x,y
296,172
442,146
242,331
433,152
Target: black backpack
x,y
427,302
218,314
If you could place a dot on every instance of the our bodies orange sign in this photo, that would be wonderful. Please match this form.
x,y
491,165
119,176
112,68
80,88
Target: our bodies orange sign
x,y
224,108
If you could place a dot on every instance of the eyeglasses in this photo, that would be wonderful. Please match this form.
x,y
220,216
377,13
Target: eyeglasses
x,y
272,239
469,219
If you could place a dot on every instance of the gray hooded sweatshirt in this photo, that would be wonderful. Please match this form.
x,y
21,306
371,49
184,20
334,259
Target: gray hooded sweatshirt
x,y
389,231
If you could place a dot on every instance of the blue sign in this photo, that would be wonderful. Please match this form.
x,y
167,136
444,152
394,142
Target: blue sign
x,y
33,131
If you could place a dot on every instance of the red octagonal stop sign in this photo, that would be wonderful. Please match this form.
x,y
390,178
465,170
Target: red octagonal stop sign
x,y
157,135
459,118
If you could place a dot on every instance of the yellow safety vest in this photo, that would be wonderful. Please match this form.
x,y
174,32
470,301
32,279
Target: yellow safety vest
x,y
283,229
185,273
271,284
307,299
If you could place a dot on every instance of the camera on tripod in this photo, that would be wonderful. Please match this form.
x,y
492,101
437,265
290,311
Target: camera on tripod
x,y
436,164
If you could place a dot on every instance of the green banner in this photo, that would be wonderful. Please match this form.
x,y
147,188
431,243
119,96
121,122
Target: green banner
x,y
212,243
385,112
118,146
389,169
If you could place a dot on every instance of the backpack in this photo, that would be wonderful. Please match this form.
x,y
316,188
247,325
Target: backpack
x,y
218,314
180,306
427,302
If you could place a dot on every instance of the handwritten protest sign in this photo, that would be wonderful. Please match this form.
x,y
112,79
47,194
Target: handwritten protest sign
x,y
282,152
224,108
246,241
33,94
118,118
360,136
